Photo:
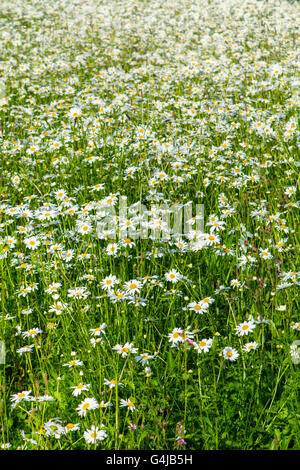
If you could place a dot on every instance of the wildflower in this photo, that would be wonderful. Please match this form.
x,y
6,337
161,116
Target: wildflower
x,y
54,428
230,354
78,293
109,282
25,349
84,228
245,328
176,336
78,389
204,345
250,346
173,276
296,326
70,427
129,404
31,333
144,358
99,330
126,349
73,363
112,249
95,434
199,307
32,243
235,283
112,383
21,396
86,405
75,113
133,286
265,254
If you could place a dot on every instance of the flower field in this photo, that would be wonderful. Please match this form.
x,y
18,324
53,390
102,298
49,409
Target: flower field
x,y
149,240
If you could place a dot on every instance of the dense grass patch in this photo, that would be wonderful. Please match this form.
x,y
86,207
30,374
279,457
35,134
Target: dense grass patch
x,y
121,330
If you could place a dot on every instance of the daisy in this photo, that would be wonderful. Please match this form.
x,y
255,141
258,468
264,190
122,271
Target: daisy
x,y
112,383
199,307
280,244
68,255
78,389
25,349
54,428
84,228
74,113
111,249
176,336
245,328
211,239
44,398
60,194
138,301
230,354
95,341
127,242
87,404
21,396
265,254
126,349
58,308
207,301
70,427
296,326
203,346
27,439
73,363
11,241
95,434
99,330
32,243
173,276
53,287
31,333
133,286
250,346
235,283
78,293
104,405
290,191
129,404
109,282
144,358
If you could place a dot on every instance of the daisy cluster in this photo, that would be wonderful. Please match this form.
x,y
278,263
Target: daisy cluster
x,y
167,105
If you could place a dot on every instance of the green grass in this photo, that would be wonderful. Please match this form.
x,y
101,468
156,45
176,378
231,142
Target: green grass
x,y
208,97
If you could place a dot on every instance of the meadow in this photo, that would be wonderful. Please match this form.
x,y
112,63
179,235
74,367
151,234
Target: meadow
x,y
148,225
